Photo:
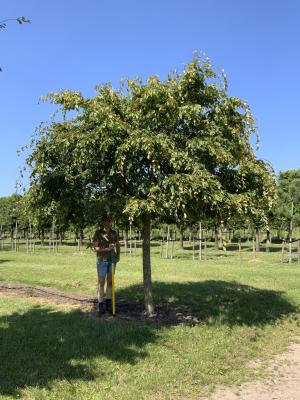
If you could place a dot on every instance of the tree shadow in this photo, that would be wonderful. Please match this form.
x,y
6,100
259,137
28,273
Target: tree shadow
x,y
44,344
4,261
228,303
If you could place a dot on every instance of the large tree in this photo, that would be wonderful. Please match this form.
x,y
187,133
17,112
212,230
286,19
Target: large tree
x,y
176,148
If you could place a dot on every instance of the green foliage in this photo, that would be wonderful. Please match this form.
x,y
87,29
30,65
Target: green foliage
x,y
12,210
175,149
20,20
287,210
178,148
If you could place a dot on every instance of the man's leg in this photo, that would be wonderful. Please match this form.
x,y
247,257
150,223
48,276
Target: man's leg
x,y
101,282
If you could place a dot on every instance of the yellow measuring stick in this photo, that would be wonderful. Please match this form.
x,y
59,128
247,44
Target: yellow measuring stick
x,y
113,290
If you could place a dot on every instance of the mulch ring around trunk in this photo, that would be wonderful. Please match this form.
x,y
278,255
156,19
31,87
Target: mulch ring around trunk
x,y
131,311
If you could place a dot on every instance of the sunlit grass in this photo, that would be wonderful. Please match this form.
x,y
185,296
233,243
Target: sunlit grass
x,y
247,308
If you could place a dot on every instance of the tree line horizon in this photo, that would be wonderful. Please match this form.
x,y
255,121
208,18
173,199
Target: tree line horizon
x,y
283,217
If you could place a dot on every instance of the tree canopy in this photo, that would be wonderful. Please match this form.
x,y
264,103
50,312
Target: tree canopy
x,y
175,148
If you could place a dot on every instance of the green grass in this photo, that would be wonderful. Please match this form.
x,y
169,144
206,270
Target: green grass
x,y
248,309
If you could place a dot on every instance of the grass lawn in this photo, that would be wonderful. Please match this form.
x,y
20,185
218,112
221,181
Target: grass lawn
x,y
248,309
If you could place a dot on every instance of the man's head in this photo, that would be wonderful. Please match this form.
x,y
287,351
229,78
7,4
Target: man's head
x,y
106,222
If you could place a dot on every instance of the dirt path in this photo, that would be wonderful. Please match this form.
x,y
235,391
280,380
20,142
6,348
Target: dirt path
x,y
282,383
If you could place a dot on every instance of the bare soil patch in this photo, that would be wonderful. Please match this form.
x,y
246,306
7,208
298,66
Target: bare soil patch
x,y
125,310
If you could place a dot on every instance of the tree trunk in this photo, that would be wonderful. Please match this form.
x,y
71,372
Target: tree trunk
x,y
16,236
130,239
222,236
257,244
291,233
268,236
168,239
291,223
180,246
80,237
125,239
61,236
147,265
42,237
216,238
200,241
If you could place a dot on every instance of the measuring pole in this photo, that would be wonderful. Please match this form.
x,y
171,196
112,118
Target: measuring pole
x,y
113,290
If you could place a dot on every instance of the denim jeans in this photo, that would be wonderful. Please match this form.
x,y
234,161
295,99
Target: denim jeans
x,y
104,268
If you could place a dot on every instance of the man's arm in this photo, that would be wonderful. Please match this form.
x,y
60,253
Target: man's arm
x,y
96,246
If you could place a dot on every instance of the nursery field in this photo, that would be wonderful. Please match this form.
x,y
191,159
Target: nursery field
x,y
244,308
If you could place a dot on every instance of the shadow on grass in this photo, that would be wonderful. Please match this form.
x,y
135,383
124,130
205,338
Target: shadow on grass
x,y
228,303
44,344
4,261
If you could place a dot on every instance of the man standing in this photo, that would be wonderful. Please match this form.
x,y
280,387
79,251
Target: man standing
x,y
107,248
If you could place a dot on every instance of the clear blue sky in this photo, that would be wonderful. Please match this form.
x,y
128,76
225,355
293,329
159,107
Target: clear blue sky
x,y
74,44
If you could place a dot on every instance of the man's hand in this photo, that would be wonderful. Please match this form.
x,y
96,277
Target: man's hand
x,y
96,246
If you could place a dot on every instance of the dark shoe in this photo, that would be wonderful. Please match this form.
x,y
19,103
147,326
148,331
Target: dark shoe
x,y
108,306
100,309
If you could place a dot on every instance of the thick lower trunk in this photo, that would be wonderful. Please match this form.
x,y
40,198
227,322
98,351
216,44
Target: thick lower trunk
x,y
180,246
42,236
126,240
268,236
147,266
257,240
216,239
290,230
222,236
290,240
61,237
80,237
